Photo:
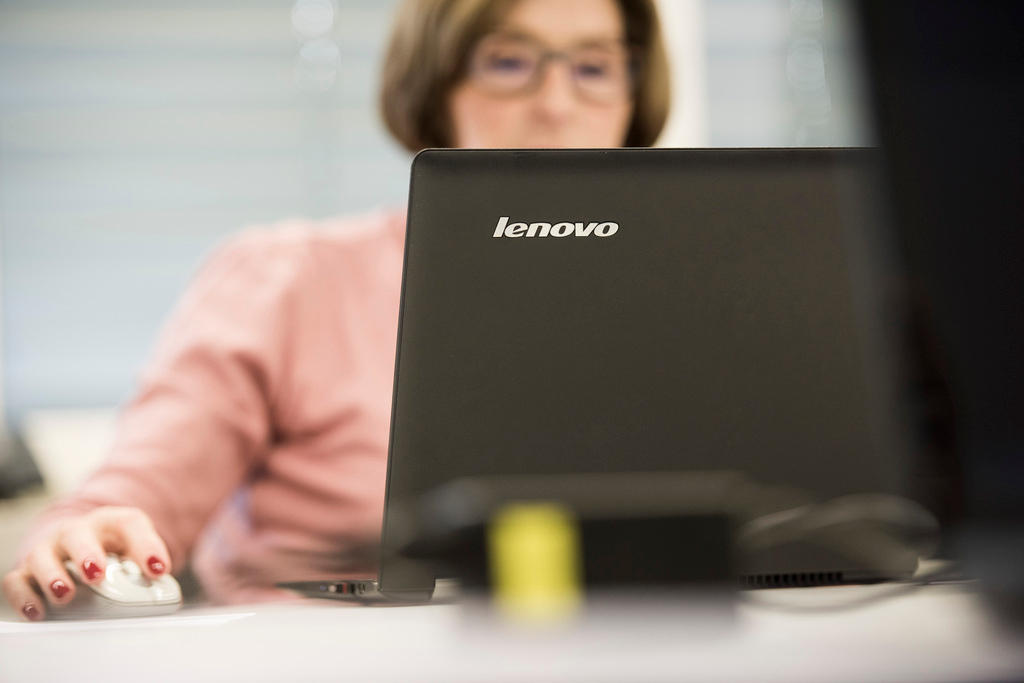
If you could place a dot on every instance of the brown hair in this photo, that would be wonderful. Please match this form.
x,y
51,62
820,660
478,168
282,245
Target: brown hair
x,y
430,44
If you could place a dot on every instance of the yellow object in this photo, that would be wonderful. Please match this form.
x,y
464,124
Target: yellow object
x,y
535,561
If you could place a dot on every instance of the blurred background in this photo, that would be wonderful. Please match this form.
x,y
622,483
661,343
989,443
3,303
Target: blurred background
x,y
136,134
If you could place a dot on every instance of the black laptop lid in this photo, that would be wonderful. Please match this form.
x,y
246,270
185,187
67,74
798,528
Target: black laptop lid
x,y
703,310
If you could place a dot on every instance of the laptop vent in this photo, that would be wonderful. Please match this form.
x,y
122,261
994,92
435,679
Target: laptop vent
x,y
792,579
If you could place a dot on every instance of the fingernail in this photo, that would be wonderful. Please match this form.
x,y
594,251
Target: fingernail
x,y
91,569
59,588
155,565
30,612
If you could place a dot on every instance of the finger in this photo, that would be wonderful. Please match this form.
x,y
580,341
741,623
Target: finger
x,y
78,543
22,596
46,569
138,540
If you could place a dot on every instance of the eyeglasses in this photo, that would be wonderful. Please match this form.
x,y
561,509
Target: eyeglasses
x,y
504,64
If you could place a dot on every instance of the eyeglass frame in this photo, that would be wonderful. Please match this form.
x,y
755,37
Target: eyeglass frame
x,y
633,67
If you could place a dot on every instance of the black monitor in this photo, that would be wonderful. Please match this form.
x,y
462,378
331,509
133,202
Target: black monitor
x,y
947,80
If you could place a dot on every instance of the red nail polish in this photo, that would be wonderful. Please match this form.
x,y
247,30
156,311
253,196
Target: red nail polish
x,y
30,612
59,588
155,565
91,569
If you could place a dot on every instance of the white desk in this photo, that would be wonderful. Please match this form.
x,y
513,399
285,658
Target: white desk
x,y
934,633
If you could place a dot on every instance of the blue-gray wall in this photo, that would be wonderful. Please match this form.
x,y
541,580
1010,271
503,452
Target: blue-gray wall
x,y
135,135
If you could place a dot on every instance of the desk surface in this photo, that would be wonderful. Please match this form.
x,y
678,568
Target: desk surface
x,y
932,633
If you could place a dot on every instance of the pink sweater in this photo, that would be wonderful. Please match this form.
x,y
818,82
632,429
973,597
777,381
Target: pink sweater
x,y
257,441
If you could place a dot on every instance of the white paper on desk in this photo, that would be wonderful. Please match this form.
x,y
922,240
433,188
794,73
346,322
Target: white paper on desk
x,y
93,625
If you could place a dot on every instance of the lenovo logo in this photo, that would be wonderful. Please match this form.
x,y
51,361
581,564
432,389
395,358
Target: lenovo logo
x,y
506,229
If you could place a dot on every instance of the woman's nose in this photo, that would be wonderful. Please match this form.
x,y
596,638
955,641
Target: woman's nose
x,y
556,94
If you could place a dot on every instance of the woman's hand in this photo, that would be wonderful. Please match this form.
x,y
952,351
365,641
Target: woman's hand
x,y
42,581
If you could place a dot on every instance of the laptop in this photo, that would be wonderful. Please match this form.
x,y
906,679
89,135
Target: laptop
x,y
639,310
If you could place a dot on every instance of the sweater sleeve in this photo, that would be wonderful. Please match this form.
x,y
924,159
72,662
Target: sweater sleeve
x,y
202,417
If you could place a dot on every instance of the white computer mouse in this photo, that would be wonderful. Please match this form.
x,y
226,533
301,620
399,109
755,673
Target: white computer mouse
x,y
124,592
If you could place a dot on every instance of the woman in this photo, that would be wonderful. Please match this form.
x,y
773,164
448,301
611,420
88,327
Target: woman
x,y
256,446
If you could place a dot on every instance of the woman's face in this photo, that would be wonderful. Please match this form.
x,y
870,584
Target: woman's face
x,y
575,97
